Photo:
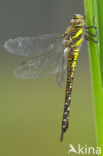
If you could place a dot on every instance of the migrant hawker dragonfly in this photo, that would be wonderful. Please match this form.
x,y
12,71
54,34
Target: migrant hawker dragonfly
x,y
53,53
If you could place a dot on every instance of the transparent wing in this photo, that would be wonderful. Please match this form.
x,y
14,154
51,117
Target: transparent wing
x,y
48,52
41,66
33,46
62,72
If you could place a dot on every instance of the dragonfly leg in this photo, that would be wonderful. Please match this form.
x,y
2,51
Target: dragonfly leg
x,y
89,34
93,35
89,38
90,27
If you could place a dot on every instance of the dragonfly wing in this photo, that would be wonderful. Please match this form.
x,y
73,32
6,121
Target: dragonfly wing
x,y
33,46
40,66
62,71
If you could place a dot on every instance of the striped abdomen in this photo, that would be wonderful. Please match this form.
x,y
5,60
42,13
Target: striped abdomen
x,y
71,65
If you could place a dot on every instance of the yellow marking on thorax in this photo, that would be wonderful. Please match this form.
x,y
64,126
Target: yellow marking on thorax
x,y
79,32
78,43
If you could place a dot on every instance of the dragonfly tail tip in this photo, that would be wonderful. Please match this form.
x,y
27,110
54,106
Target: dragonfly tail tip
x,y
61,138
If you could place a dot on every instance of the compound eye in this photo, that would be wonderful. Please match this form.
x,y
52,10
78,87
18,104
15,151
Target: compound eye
x,y
74,16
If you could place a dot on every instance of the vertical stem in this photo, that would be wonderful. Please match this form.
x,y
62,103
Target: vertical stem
x,y
95,51
100,27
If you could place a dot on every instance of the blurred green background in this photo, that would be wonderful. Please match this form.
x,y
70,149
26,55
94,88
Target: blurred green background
x,y
31,110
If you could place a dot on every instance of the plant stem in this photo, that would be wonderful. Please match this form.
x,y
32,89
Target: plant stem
x,y
92,10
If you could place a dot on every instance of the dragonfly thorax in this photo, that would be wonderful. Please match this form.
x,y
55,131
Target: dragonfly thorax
x,y
78,20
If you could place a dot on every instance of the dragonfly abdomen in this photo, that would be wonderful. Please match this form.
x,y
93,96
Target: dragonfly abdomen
x,y
71,65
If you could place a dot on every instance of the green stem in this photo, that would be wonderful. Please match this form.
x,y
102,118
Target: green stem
x,y
93,9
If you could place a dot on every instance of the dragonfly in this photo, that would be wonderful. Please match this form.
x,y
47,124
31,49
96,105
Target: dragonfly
x,y
53,53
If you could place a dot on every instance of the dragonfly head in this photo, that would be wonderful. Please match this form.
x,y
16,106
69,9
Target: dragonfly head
x,y
78,20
